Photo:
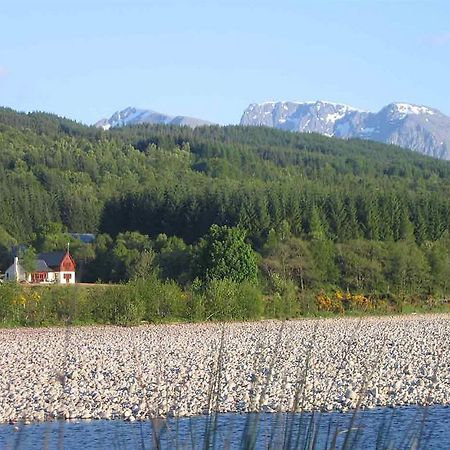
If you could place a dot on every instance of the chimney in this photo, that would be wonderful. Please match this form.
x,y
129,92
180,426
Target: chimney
x,y
16,267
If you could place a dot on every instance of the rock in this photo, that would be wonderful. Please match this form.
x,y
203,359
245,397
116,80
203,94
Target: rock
x,y
350,394
172,368
373,392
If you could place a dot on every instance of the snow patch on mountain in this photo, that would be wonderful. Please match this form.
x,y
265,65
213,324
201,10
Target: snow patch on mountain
x,y
406,108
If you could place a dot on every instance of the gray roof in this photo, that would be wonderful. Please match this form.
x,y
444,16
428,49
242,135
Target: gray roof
x,y
51,259
41,266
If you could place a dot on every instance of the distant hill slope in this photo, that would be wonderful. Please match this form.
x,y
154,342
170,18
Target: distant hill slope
x,y
180,180
419,128
135,116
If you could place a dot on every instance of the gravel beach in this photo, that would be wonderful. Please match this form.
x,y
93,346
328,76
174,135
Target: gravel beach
x,y
185,369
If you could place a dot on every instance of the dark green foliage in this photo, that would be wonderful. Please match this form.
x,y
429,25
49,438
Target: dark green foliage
x,y
290,258
439,259
71,305
173,258
51,237
28,259
168,204
9,296
7,243
179,181
129,256
362,266
284,301
408,269
225,299
224,254
162,300
118,304
148,299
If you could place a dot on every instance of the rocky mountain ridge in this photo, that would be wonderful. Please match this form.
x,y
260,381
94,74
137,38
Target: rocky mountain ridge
x,y
135,116
415,127
419,128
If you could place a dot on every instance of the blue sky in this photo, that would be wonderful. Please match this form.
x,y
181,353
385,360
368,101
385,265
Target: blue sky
x,y
86,59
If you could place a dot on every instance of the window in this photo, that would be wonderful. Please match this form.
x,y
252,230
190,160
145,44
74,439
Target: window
x,y
38,277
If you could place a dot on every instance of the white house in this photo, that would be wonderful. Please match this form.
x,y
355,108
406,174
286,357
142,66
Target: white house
x,y
53,267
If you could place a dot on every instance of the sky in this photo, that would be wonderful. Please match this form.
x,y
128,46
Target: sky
x,y
210,59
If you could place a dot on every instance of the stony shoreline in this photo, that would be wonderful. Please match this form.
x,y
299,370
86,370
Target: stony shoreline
x,y
189,369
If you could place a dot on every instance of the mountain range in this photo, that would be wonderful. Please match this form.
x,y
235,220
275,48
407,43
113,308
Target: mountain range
x,y
415,127
135,116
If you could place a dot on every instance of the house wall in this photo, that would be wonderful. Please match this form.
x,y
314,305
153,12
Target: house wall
x,y
10,274
51,277
61,277
15,272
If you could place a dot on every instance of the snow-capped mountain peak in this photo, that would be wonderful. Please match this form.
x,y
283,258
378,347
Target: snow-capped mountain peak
x,y
406,109
134,116
309,116
411,126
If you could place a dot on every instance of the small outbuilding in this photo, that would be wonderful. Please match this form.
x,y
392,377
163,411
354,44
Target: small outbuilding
x,y
51,267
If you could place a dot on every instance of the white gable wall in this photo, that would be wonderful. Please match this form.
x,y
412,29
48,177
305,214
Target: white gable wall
x,y
15,272
61,277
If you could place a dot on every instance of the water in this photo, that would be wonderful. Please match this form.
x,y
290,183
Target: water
x,y
426,428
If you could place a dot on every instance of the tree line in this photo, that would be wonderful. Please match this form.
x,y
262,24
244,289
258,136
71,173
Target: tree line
x,y
317,212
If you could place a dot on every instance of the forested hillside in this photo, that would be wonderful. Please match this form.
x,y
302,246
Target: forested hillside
x,y
318,211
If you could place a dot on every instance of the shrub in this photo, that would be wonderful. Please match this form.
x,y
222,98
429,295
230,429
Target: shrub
x,y
224,254
340,302
226,299
196,302
220,299
284,301
9,292
250,299
161,299
307,302
68,304
118,305
129,308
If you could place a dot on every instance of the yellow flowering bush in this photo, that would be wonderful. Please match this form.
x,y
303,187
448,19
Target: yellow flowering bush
x,y
340,302
27,305
26,298
329,303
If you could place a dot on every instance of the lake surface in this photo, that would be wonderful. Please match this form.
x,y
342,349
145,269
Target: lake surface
x,y
400,428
